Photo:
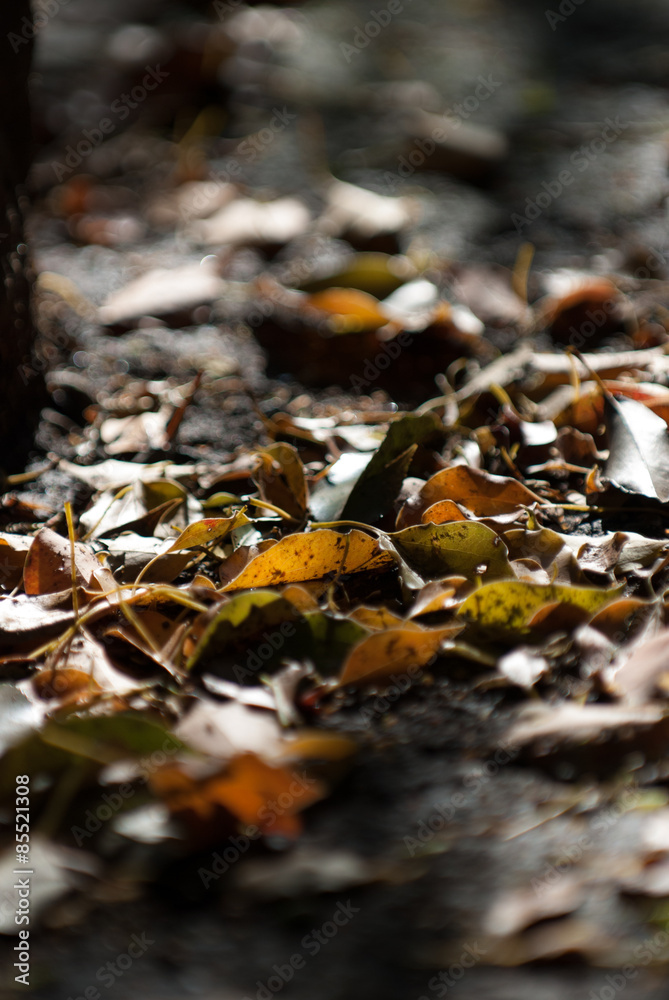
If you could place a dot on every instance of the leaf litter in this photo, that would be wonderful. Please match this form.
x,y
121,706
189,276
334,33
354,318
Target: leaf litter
x,y
506,536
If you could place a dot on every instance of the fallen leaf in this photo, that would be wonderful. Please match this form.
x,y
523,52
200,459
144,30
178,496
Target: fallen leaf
x,y
162,292
257,222
349,310
280,477
394,651
376,273
638,459
206,532
645,674
480,492
382,477
569,722
48,566
364,213
463,548
511,604
309,556
523,666
237,621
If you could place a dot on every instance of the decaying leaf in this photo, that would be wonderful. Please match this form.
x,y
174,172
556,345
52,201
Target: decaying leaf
x,y
481,493
511,604
463,548
308,556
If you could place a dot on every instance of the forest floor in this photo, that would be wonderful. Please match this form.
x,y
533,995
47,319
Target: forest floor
x,y
487,784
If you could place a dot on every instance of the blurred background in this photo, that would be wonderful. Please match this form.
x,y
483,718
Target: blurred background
x,y
522,88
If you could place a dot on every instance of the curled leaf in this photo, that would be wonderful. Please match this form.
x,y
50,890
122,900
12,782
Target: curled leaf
x,y
480,492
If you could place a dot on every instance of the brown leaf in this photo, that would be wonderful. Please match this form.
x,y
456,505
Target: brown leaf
x,y
480,492
646,673
280,477
48,566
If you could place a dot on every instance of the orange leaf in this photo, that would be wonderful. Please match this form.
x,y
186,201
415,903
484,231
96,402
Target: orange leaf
x,y
351,310
394,651
480,492
442,512
254,792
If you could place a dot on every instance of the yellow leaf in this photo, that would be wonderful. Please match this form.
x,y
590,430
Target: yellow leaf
x,y
511,604
394,651
378,619
211,529
309,556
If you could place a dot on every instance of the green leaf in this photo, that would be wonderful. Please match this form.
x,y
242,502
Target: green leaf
x,y
465,548
239,620
382,478
331,640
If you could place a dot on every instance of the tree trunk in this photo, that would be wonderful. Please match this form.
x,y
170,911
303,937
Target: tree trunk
x,y
21,385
